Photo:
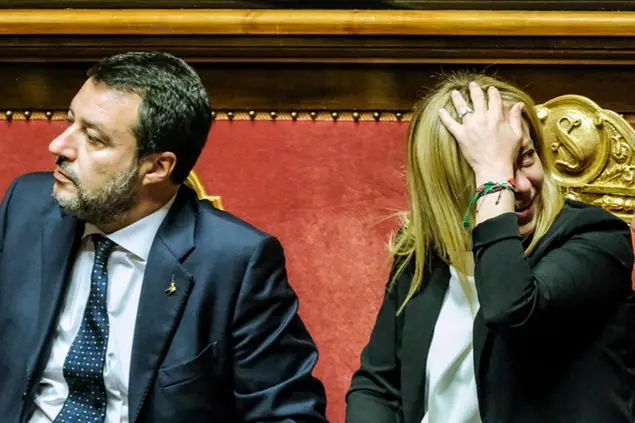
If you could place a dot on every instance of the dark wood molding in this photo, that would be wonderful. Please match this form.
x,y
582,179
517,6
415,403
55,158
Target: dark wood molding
x,y
336,49
591,5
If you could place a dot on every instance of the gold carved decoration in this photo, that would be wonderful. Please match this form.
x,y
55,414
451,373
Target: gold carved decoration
x,y
194,182
593,152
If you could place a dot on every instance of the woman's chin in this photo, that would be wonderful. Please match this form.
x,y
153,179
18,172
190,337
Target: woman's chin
x,y
527,228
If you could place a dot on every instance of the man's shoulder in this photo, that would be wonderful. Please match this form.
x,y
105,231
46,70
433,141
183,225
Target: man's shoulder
x,y
215,226
43,180
32,189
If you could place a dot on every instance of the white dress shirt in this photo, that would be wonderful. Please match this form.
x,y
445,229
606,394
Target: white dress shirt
x,y
126,267
451,395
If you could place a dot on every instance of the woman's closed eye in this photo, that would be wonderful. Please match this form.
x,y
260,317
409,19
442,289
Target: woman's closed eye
x,y
528,157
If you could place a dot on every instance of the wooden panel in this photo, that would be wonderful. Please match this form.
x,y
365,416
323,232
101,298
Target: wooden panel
x,y
303,22
325,86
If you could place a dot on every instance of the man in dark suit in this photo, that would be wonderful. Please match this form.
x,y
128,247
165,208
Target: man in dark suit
x,y
125,299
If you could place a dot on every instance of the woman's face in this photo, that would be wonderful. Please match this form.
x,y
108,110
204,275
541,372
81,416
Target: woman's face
x,y
529,175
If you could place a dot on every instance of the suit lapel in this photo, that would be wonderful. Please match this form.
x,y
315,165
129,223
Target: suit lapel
x,y
60,240
166,287
421,316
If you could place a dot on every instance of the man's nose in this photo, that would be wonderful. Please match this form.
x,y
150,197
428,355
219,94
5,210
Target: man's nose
x,y
64,145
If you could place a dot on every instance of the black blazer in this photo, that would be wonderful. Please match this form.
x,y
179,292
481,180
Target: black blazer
x,y
552,339
228,346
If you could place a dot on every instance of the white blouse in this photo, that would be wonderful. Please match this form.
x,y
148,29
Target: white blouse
x,y
451,395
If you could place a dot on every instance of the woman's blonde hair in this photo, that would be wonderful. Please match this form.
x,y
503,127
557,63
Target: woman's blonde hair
x,y
441,182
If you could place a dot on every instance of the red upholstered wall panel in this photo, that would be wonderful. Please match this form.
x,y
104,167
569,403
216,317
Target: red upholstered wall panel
x,y
327,190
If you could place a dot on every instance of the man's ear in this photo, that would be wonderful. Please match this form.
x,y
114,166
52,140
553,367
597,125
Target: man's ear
x,y
157,167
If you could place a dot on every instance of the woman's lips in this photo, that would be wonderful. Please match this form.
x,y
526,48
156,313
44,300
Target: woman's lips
x,y
525,213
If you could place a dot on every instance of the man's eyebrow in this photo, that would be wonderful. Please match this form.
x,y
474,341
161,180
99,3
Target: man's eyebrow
x,y
102,132
92,125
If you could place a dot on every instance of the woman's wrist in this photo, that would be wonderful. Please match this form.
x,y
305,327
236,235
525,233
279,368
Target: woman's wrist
x,y
495,204
493,175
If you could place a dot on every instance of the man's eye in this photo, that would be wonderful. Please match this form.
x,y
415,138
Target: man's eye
x,y
92,138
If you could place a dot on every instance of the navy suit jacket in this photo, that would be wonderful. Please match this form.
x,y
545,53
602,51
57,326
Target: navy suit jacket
x,y
228,346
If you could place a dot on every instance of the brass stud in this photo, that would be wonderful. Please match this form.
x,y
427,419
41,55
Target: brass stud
x,y
273,115
27,114
399,116
252,114
9,114
335,115
356,116
49,115
376,116
294,115
230,115
313,115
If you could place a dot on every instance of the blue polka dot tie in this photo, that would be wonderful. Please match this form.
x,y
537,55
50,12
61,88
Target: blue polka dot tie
x,y
84,364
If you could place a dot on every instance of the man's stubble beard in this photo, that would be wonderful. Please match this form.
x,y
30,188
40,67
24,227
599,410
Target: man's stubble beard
x,y
106,205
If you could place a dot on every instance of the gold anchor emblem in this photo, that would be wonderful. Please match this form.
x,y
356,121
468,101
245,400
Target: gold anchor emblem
x,y
171,290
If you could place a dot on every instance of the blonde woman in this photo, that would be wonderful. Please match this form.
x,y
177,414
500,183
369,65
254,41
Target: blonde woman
x,y
506,303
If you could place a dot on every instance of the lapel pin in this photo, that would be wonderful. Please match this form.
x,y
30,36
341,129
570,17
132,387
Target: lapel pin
x,y
171,290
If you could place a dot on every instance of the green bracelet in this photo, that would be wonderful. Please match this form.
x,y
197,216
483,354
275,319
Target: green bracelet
x,y
485,189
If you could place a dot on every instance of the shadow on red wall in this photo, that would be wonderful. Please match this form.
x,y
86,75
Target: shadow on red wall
x,y
327,190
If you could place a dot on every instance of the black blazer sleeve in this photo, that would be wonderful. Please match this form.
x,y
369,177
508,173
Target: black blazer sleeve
x,y
585,269
274,355
373,396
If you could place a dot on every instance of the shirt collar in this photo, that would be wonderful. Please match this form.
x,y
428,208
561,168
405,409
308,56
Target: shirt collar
x,y
137,237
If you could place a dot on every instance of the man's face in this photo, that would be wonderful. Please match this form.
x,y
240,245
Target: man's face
x,y
97,177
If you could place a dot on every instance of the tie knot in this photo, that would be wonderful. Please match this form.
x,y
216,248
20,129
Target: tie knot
x,y
103,247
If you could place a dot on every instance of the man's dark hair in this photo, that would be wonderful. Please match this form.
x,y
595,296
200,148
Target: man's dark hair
x,y
174,114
